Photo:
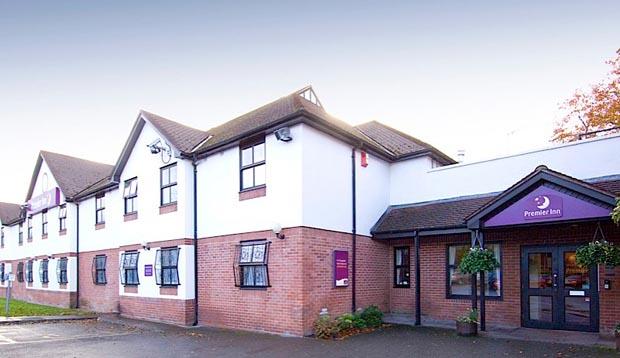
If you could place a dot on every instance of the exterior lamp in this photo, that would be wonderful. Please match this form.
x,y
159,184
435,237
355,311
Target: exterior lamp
x,y
146,246
277,229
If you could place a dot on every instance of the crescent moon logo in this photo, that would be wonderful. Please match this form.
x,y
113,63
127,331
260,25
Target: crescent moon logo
x,y
542,202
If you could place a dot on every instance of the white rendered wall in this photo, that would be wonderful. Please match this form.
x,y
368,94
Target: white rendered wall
x,y
220,212
582,160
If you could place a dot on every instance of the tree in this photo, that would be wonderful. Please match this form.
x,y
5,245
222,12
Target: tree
x,y
595,110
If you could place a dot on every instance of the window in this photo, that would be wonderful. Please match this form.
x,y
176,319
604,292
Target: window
x,y
459,285
62,218
30,228
44,222
168,180
100,209
20,235
252,165
401,267
166,267
29,277
129,268
251,267
61,271
130,194
98,270
20,272
43,273
2,273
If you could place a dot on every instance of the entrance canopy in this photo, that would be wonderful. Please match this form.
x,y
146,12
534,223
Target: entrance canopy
x,y
544,196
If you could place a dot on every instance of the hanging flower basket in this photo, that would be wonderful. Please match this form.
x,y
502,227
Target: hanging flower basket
x,y
478,260
600,252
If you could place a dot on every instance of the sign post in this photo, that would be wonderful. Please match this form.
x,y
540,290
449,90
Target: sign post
x,y
9,277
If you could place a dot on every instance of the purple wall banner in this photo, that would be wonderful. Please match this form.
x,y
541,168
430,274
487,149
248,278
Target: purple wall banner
x,y
47,200
545,204
341,268
148,270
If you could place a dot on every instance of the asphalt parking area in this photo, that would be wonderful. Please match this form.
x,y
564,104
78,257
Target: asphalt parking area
x,y
102,339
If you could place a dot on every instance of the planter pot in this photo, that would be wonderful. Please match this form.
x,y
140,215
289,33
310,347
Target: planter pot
x,y
466,329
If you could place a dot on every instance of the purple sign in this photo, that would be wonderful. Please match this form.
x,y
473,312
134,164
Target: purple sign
x,y
545,204
341,268
148,270
48,199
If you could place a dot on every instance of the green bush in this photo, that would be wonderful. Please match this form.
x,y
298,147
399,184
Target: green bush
x,y
346,321
478,260
470,317
358,321
325,327
372,316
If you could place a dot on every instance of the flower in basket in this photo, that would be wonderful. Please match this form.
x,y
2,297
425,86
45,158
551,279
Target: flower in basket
x,y
470,317
600,252
478,260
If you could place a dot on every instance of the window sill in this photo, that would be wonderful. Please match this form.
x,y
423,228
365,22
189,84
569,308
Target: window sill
x,y
168,290
100,226
254,288
130,289
101,283
29,240
130,216
402,286
62,286
44,237
29,284
468,298
168,208
44,285
62,232
253,193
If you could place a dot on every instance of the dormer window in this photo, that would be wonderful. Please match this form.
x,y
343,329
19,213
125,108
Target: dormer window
x,y
252,164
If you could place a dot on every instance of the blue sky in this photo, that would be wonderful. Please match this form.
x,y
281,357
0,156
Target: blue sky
x,y
486,77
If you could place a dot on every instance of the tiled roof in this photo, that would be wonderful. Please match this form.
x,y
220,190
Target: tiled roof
x,y
430,215
397,142
74,174
9,213
452,212
184,138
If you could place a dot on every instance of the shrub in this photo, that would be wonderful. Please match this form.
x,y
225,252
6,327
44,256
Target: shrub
x,y
346,321
325,327
470,317
372,316
478,260
358,321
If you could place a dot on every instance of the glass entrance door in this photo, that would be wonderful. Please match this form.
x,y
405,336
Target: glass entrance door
x,y
555,292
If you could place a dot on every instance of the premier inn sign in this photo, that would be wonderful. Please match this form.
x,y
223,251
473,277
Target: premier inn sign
x,y
547,204
48,199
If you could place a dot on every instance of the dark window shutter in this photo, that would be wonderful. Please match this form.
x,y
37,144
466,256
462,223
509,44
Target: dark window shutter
x,y
122,270
93,270
158,258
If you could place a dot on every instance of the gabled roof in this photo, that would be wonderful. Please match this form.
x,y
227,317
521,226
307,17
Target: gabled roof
x,y
452,212
401,144
72,174
9,213
539,175
182,137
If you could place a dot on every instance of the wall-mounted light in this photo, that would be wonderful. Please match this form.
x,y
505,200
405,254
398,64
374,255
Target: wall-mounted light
x,y
146,246
277,229
283,134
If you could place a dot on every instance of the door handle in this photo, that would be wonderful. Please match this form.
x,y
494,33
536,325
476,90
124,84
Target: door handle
x,y
555,279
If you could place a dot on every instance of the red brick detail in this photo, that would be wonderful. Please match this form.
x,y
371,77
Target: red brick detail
x,y
168,291
130,217
301,278
62,232
157,244
167,310
99,298
130,289
22,291
507,311
44,237
100,226
170,208
252,193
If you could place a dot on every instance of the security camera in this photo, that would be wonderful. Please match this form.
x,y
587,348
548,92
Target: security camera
x,y
283,134
155,146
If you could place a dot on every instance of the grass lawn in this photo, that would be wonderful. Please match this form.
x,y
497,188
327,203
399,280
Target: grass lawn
x,y
21,308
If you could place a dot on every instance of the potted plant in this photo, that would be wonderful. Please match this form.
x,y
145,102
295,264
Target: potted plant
x,y
467,324
617,336
478,260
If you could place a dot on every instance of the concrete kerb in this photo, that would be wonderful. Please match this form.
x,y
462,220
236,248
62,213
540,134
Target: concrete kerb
x,y
43,319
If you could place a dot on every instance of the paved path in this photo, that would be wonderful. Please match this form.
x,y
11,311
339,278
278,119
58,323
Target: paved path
x,y
103,339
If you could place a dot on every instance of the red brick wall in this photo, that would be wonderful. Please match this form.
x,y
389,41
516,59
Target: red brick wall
x,y
99,298
301,278
402,300
508,310
180,312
